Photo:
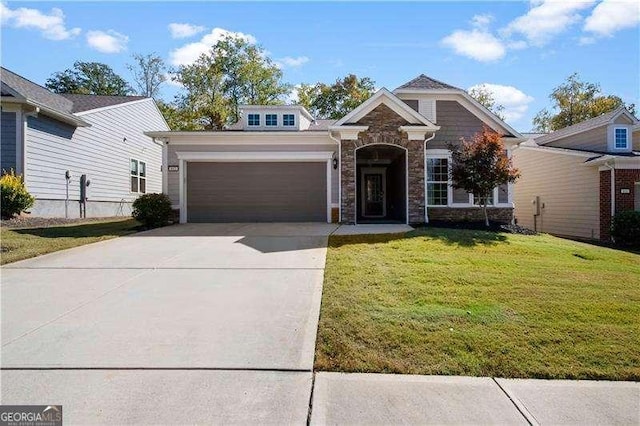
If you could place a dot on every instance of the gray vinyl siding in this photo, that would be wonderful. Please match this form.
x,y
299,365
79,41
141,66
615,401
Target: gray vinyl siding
x,y
173,182
8,136
455,122
99,151
592,140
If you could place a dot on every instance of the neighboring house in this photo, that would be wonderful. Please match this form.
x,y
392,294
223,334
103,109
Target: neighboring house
x,y
574,179
279,164
45,135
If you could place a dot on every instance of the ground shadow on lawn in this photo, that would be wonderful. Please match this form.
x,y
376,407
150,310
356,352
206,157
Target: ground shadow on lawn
x,y
457,237
99,229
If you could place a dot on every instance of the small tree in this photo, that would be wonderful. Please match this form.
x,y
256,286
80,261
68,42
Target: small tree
x,y
480,165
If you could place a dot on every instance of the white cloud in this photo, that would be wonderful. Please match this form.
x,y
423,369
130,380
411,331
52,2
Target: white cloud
x,y
107,41
189,53
482,21
476,44
546,19
610,16
184,30
515,101
291,62
51,26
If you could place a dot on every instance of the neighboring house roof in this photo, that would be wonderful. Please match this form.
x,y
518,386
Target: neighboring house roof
x,y
532,135
425,82
593,123
28,92
83,103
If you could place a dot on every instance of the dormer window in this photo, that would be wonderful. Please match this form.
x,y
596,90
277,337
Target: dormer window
x,y
253,119
621,138
271,119
288,120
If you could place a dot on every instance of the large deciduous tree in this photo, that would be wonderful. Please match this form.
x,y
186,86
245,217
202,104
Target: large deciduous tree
x,y
88,78
480,165
232,73
335,100
149,72
574,101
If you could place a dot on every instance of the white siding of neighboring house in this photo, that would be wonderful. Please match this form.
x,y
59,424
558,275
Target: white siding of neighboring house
x,y
570,193
173,183
97,151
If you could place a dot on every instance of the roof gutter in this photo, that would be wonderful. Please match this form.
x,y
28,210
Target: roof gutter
x,y
611,166
67,118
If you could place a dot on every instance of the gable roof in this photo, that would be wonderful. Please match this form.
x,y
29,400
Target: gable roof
x,y
83,103
593,123
383,96
26,91
425,82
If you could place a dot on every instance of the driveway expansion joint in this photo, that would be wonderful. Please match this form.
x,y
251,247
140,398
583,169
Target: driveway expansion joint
x,y
519,406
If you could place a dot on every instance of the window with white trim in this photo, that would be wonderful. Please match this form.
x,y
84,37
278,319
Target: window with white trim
x,y
288,120
138,176
271,119
253,119
437,181
620,135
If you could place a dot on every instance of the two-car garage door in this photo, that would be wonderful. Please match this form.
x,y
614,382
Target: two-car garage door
x,y
256,192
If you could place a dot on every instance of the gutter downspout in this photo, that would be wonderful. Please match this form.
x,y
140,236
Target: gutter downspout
x,y
611,166
424,181
339,176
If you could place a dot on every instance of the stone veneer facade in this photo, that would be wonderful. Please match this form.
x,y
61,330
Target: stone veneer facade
x,y
383,129
624,179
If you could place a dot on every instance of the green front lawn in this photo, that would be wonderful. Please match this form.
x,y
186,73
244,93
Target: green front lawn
x,y
19,244
458,302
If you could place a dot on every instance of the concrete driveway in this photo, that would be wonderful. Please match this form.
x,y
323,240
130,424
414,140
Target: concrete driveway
x,y
192,314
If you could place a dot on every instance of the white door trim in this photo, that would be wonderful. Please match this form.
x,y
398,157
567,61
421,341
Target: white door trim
x,y
252,156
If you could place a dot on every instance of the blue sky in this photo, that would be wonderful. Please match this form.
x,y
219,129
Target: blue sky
x,y
522,50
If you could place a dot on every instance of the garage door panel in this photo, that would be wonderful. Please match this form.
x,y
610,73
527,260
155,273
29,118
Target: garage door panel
x,y
256,192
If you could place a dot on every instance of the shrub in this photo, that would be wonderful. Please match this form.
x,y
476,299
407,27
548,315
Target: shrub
x,y
153,210
625,228
15,198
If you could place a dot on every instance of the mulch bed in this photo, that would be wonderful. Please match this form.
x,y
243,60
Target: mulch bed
x,y
45,222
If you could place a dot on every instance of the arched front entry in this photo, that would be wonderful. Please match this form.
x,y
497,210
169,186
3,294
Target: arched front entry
x,y
381,183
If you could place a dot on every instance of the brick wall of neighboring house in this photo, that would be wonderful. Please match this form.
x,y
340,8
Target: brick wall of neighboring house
x,y
470,214
383,128
624,179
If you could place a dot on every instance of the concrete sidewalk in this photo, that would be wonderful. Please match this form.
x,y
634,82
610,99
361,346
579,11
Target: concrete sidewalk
x,y
340,398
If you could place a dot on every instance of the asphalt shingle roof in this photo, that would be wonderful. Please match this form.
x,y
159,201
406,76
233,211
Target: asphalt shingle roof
x,y
425,82
88,102
592,123
34,92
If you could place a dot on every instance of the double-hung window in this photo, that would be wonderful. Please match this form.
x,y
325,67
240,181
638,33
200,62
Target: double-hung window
x,y
620,138
437,181
253,120
138,176
288,120
271,119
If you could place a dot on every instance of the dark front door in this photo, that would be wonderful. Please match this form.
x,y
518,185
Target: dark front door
x,y
373,193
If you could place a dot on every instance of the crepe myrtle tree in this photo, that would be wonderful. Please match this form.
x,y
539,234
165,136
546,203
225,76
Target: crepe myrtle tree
x,y
481,164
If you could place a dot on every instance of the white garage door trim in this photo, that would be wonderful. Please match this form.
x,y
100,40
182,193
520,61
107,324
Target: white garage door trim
x,y
251,156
